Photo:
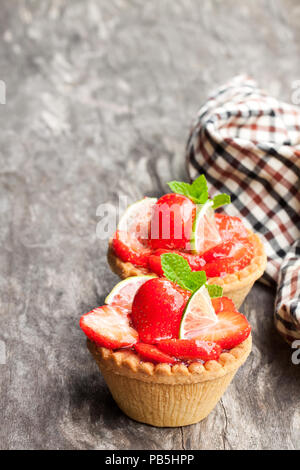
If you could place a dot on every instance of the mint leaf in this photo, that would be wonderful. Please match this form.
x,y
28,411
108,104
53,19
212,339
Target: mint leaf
x,y
183,188
194,280
179,187
214,290
199,190
175,268
220,200
178,270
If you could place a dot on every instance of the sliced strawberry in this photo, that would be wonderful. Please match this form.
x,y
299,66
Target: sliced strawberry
x,y
190,349
109,326
196,262
148,352
237,249
222,304
129,248
232,329
172,222
157,310
219,252
228,258
220,268
154,263
230,227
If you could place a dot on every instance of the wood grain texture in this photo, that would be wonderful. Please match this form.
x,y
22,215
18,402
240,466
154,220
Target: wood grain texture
x,y
100,98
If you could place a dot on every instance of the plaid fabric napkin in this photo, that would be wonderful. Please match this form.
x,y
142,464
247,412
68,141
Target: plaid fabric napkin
x,y
248,145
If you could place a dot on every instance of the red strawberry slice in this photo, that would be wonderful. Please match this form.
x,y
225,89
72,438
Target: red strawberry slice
x,y
230,227
196,262
191,349
109,326
220,268
129,248
228,258
232,329
154,264
172,222
222,304
157,310
148,352
219,252
236,249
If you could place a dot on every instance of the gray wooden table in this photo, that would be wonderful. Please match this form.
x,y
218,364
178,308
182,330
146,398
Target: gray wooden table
x,y
99,100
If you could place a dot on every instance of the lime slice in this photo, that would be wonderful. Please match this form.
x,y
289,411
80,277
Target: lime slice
x,y
137,217
124,292
199,314
205,231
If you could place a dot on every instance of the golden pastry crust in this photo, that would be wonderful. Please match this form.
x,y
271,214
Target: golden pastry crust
x,y
127,363
235,286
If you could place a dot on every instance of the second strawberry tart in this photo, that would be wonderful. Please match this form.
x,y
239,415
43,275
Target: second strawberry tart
x,y
185,222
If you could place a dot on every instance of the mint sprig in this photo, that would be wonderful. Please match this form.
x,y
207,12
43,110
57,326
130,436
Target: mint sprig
x,y
214,290
220,200
198,192
177,269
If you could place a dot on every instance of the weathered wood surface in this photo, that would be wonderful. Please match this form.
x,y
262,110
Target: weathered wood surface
x,y
100,97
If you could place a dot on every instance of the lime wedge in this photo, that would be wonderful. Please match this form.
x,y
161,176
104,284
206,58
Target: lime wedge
x,y
124,292
205,231
137,217
199,314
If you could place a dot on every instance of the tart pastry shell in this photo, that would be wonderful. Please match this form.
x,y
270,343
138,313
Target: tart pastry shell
x,y
236,286
167,395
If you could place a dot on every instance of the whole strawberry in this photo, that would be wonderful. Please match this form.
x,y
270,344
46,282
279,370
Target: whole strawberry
x,y
172,222
157,310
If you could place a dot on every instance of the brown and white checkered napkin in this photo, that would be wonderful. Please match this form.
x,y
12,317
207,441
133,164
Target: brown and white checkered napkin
x,y
248,145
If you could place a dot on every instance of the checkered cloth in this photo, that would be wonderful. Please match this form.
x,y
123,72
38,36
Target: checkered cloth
x,y
248,145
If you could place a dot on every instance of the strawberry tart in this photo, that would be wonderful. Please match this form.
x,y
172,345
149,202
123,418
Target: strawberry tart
x,y
168,346
185,222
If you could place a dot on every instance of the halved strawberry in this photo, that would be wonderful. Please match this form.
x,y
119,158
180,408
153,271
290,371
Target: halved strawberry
x,y
129,248
196,262
148,352
230,227
157,310
109,326
171,222
190,349
232,329
222,304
